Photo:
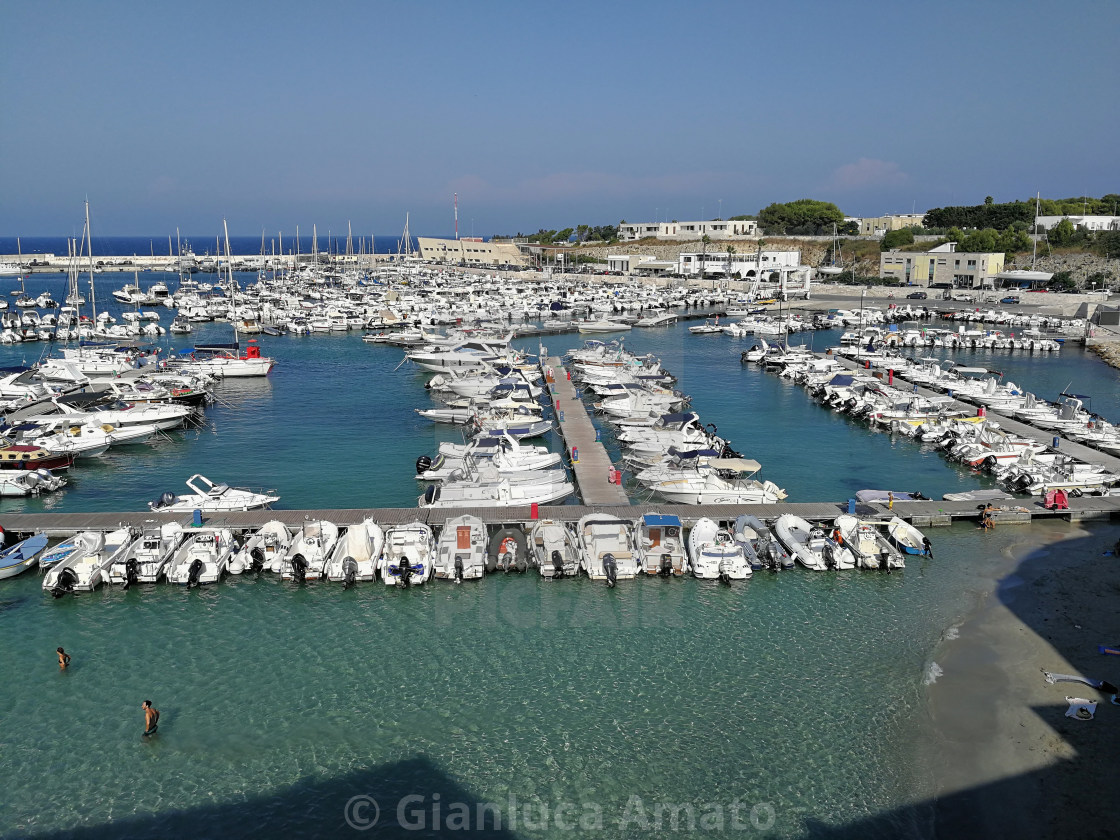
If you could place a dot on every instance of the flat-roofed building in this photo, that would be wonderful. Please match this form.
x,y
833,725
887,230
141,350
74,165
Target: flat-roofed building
x,y
747,265
879,225
1083,222
684,231
942,265
471,252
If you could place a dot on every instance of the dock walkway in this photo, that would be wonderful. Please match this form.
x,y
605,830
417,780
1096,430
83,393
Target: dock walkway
x,y
921,514
593,466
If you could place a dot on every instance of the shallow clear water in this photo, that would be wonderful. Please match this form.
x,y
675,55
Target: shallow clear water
x,y
796,694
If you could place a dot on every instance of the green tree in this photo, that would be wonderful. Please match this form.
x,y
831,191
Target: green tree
x,y
804,216
893,239
989,200
1063,233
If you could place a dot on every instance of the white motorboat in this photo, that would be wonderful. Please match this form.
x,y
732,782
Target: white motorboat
x,y
660,545
709,327
356,555
59,554
870,546
264,550
501,493
715,554
712,486
85,570
408,556
203,558
554,549
146,558
810,545
601,326
308,553
210,498
29,482
607,545
461,549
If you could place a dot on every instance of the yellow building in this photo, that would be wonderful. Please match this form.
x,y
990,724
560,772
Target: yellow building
x,y
943,266
884,224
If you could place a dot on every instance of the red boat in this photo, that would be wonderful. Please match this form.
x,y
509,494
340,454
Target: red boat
x,y
24,457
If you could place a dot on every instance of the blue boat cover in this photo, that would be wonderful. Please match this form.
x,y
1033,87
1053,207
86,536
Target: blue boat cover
x,y
841,380
662,519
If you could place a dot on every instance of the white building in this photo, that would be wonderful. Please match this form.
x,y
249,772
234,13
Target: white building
x,y
683,231
1083,222
746,266
640,264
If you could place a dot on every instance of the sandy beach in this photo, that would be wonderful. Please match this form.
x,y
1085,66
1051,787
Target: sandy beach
x,y
1003,759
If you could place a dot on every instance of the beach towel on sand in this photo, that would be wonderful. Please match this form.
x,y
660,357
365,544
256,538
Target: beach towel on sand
x,y
1080,708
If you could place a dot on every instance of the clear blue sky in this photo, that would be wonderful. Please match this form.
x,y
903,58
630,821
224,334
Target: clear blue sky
x,y
277,114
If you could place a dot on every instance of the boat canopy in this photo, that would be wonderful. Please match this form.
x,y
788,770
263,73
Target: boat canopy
x,y
662,520
842,380
736,464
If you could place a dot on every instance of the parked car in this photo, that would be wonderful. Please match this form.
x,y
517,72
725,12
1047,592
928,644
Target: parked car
x,y
1009,299
917,296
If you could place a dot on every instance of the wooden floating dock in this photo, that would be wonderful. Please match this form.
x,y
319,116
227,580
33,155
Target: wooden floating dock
x,y
921,514
593,467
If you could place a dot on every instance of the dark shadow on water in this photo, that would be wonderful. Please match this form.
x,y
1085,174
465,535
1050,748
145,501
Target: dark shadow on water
x,y
337,807
1077,787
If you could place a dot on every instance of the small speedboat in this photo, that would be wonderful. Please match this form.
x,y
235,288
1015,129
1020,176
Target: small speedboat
x,y
145,560
762,549
461,549
607,543
211,497
907,538
356,555
554,549
310,550
660,545
408,555
264,550
203,558
810,545
85,570
21,556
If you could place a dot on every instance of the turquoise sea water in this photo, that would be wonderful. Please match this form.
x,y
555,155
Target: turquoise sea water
x,y
796,695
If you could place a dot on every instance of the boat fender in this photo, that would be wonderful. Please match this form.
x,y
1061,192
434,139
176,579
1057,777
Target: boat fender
x,y
299,568
423,463
557,565
611,569
431,494
458,569
666,564
349,572
194,573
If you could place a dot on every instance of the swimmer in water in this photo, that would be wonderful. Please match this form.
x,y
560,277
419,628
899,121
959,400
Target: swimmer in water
x,y
63,660
151,718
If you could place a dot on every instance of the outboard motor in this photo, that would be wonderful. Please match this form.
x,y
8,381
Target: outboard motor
x,y
423,464
256,560
666,569
165,500
299,568
67,578
405,569
458,569
349,572
557,565
610,566
505,562
194,573
131,572
724,574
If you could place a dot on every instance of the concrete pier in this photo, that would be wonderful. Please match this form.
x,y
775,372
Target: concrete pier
x,y
593,466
